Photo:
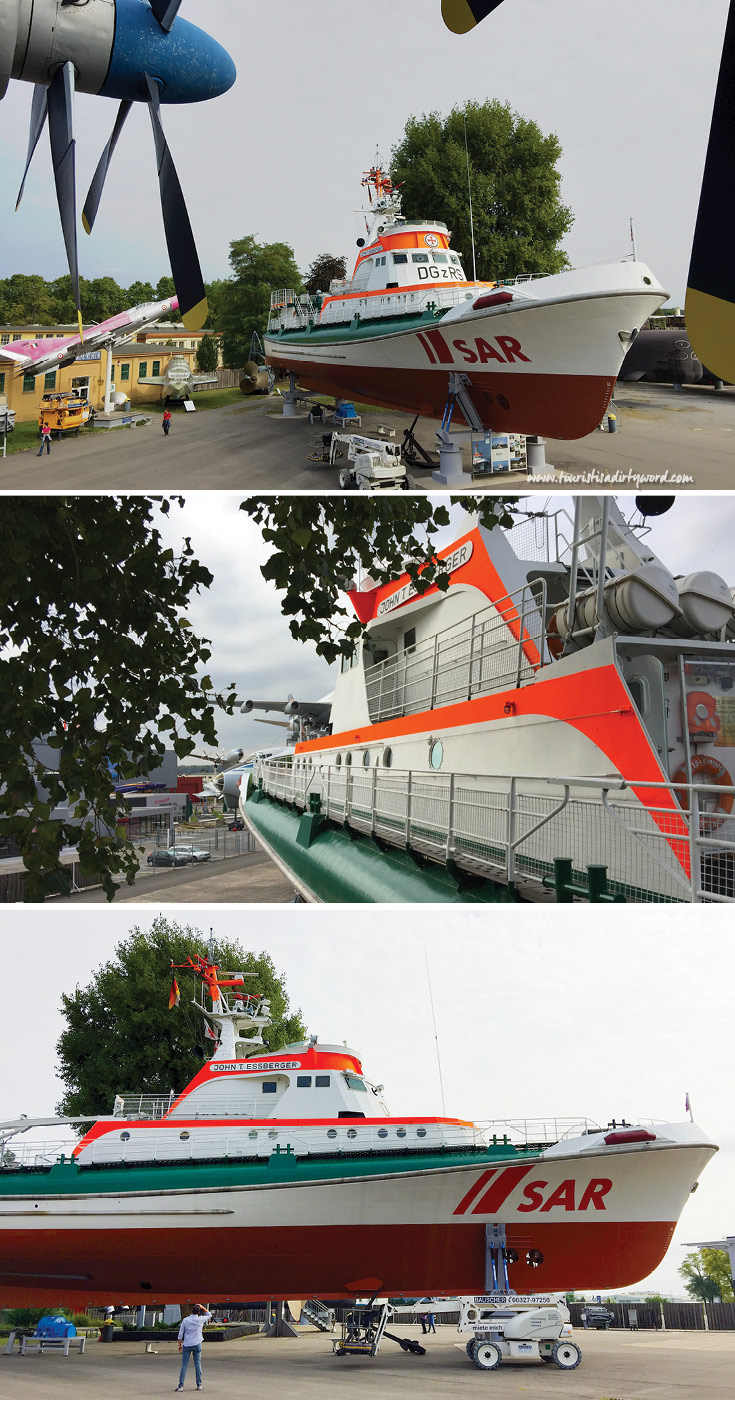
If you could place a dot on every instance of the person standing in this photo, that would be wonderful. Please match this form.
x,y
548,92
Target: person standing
x,y
431,1323
190,1343
166,421
45,438
422,1318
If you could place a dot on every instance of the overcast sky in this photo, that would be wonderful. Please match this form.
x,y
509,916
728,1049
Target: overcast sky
x,y
617,1022
629,93
252,645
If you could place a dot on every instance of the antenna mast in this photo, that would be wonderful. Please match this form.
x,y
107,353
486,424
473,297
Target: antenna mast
x,y
632,239
436,1037
472,221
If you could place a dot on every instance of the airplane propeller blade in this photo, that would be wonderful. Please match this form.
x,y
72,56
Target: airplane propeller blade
x,y
185,269
63,147
165,12
710,298
462,15
92,202
39,111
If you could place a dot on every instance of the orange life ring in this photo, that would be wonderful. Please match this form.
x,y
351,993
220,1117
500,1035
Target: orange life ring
x,y
553,640
709,770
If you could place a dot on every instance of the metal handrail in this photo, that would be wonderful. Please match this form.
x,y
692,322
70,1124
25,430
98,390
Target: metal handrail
x,y
501,825
425,676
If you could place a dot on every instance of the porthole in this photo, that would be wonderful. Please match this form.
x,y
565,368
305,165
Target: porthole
x,y
400,1133
387,757
382,1133
421,1133
348,760
253,1133
647,281
436,754
125,1136
366,759
331,1133
338,761
352,1133
185,1134
273,1133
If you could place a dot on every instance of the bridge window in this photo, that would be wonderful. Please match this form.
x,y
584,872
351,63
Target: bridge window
x,y
419,257
440,258
303,1082
269,1087
400,257
353,1083
322,1082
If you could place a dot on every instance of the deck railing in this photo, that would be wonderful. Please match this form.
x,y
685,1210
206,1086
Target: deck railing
x,y
499,647
675,844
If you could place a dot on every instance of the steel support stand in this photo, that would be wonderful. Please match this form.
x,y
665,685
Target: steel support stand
x,y
291,397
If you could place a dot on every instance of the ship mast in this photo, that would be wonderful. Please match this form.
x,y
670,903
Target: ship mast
x,y
234,1019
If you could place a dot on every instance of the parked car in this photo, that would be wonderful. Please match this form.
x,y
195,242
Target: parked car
x,y
194,853
598,1316
170,857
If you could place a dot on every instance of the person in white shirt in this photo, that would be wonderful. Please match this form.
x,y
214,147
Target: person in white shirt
x,y
190,1343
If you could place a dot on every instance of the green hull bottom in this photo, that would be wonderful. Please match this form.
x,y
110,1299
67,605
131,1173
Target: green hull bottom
x,y
342,866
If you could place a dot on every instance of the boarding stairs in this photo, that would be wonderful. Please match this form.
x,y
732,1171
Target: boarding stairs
x,y
317,1315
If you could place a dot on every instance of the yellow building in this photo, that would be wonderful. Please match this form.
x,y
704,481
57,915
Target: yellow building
x,y
131,362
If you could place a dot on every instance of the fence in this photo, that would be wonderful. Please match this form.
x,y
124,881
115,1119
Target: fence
x,y
694,1316
216,841
13,884
513,829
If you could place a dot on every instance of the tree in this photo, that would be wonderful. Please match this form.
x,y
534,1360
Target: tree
x,y
25,298
323,270
519,219
120,1035
244,301
140,292
208,354
320,543
97,659
706,1275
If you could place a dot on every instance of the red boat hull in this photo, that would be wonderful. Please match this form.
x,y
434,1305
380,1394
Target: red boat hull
x,y
553,406
79,1267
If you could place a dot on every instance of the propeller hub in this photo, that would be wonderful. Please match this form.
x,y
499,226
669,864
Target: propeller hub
x,y
189,65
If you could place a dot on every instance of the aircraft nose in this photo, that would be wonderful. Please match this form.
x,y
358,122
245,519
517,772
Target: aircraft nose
x,y
189,65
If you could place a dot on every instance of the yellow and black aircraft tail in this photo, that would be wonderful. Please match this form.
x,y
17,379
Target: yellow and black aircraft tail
x,y
462,15
710,299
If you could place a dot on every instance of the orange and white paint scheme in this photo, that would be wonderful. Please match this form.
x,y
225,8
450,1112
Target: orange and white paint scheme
x,y
540,354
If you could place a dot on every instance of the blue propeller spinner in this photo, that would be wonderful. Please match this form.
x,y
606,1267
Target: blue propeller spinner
x,y
130,50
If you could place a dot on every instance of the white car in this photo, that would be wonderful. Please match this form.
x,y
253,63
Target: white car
x,y
194,853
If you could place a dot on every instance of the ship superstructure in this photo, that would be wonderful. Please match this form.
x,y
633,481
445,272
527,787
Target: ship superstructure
x,y
536,355
565,696
281,1174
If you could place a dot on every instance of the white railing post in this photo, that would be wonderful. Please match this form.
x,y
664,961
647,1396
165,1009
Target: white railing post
x,y
695,855
374,797
511,858
450,817
408,808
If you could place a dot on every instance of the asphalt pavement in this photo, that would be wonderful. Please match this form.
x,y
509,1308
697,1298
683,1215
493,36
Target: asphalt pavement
x,y
688,432
683,1366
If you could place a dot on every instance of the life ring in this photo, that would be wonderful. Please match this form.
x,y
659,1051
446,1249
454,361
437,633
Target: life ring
x,y
709,769
553,640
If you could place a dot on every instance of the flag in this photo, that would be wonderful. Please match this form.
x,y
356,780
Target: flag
x,y
174,996
209,1034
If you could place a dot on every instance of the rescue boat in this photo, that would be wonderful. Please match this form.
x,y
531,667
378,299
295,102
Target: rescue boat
x,y
565,698
536,355
283,1175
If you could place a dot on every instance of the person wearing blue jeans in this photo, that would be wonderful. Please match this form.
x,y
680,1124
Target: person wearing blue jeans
x,y
191,1334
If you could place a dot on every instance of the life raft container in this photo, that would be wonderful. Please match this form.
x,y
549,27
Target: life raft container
x,y
707,769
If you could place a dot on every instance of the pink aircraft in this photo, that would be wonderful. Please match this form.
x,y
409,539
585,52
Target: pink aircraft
x,y
40,356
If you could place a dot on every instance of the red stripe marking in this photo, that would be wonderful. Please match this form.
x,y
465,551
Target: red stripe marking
x,y
427,348
470,1196
499,1190
444,354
